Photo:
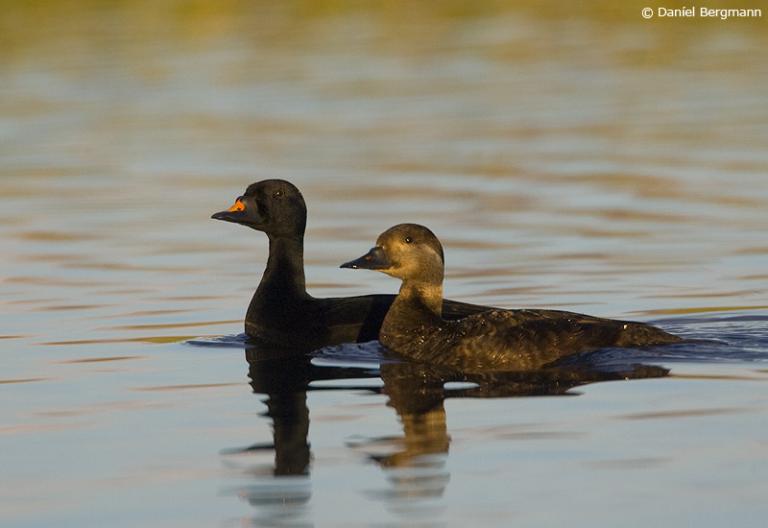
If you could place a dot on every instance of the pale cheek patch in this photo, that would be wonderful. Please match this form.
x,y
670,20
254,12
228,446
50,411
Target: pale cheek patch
x,y
420,261
435,255
391,272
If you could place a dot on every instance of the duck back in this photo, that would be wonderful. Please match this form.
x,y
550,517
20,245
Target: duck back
x,y
514,339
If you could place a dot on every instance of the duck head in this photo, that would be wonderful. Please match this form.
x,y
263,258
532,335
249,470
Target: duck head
x,y
273,206
410,252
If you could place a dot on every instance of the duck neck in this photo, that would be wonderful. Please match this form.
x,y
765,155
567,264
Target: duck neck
x,y
416,305
284,277
426,296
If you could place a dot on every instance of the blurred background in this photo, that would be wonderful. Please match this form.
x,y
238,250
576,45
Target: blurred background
x,y
568,154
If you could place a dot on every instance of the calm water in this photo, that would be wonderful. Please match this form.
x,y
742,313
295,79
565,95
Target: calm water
x,y
588,161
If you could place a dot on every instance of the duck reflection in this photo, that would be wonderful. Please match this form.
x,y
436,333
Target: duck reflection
x,y
285,376
415,462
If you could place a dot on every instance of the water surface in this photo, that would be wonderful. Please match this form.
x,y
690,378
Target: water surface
x,y
587,161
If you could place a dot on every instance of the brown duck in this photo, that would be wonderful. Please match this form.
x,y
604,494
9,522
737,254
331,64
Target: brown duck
x,y
415,326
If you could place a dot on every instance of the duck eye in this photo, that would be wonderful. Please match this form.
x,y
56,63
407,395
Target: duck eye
x,y
277,194
408,240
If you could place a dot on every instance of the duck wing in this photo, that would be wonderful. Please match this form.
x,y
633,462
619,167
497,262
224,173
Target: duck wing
x,y
458,310
530,339
627,333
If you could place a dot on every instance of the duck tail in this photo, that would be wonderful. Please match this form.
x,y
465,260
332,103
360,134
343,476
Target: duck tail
x,y
640,334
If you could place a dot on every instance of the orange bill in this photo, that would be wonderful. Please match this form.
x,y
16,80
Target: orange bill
x,y
238,206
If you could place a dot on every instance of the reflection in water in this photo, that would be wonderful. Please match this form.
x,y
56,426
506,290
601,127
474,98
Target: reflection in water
x,y
284,376
415,464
